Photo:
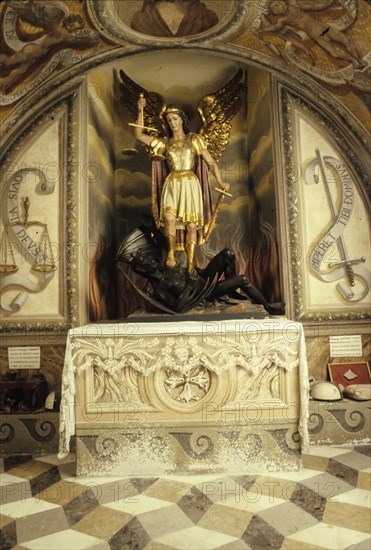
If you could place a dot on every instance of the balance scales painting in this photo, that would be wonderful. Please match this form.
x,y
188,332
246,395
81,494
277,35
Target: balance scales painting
x,y
44,261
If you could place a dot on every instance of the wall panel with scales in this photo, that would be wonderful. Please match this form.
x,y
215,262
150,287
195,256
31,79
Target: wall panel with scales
x,y
36,224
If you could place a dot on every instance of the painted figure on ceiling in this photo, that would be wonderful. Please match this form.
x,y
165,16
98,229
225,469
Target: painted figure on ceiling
x,y
295,14
53,30
173,18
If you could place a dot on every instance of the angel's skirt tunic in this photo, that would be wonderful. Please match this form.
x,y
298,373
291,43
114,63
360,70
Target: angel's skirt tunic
x,y
181,193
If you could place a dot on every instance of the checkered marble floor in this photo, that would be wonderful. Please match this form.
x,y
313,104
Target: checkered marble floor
x,y
325,505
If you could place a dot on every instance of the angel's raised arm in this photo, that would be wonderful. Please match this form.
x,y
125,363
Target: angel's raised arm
x,y
144,105
138,129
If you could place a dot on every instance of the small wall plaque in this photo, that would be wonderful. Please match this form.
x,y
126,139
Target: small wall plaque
x,y
25,357
346,346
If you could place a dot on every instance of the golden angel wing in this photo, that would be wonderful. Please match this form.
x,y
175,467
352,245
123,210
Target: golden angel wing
x,y
217,110
130,92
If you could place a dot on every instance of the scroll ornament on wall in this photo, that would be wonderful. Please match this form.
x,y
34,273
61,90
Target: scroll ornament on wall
x,y
350,268
62,35
16,232
304,24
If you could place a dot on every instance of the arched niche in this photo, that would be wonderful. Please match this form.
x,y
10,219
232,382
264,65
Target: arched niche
x,y
260,163
247,222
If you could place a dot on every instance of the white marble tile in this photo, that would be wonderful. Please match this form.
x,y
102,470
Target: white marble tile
x,y
195,479
5,479
26,507
137,504
293,476
13,488
327,451
195,538
329,537
359,497
251,501
53,459
67,539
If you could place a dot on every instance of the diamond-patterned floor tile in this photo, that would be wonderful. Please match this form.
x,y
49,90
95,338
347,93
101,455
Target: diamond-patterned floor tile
x,y
80,506
260,535
348,515
364,480
26,507
354,460
138,505
226,520
329,537
8,533
219,490
195,538
29,470
15,460
169,490
67,540
310,501
102,522
287,518
13,488
41,524
364,545
327,485
61,492
132,535
324,506
160,522
252,501
195,504
359,497
44,480
343,472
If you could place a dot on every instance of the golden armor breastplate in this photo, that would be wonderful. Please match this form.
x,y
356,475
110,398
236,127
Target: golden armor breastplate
x,y
180,156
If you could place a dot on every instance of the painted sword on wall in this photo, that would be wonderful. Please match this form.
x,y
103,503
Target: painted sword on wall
x,y
349,267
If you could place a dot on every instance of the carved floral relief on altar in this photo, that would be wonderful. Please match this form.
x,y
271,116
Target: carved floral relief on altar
x,y
184,373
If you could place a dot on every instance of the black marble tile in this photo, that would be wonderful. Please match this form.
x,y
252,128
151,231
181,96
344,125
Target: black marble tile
x,y
259,535
363,449
45,480
15,460
80,506
140,484
245,481
309,500
132,536
8,536
343,472
194,504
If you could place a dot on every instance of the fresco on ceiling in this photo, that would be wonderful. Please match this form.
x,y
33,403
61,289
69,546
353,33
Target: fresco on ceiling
x,y
316,37
36,38
173,18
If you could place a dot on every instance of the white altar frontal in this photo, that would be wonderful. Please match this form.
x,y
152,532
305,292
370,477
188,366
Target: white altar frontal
x,y
186,397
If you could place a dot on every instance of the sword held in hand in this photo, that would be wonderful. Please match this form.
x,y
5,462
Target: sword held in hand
x,y
211,226
141,120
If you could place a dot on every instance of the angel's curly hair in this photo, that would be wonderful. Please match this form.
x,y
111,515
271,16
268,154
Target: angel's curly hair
x,y
173,107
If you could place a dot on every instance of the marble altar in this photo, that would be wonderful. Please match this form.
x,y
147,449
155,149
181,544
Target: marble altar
x,y
193,396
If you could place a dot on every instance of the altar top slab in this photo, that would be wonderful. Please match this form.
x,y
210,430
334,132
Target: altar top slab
x,y
205,327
